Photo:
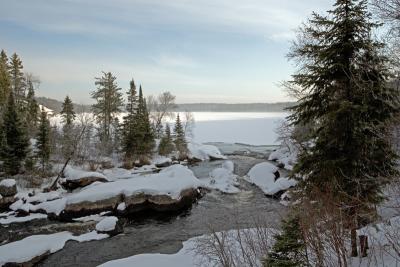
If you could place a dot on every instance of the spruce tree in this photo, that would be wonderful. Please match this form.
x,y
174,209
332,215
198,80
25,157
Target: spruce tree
x,y
289,249
43,141
17,79
32,108
16,142
166,145
144,133
67,112
68,117
5,82
343,78
180,139
108,103
129,126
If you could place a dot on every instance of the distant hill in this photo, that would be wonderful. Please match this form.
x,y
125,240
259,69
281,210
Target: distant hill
x,y
56,105
248,107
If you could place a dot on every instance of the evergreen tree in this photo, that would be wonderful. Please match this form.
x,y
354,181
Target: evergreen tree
x,y
5,82
180,139
289,249
343,77
17,79
43,141
166,145
67,112
15,139
129,127
109,102
144,133
32,108
68,117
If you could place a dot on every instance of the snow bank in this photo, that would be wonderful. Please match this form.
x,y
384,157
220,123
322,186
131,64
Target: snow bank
x,y
189,256
204,152
223,179
107,224
33,246
263,176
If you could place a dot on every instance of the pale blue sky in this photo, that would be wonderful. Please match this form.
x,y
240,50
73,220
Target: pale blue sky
x,y
202,51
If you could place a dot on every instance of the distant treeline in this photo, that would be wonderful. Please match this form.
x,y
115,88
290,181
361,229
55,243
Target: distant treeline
x,y
248,107
196,107
56,105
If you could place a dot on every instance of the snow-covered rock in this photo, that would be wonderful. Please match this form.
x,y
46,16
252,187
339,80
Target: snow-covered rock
x,y
162,162
223,179
75,178
171,189
204,152
266,176
32,249
109,225
286,156
14,219
8,187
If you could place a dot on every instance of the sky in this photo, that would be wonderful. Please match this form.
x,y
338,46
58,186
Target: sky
x,y
229,51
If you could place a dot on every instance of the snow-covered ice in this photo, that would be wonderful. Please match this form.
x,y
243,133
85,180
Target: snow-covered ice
x,y
263,176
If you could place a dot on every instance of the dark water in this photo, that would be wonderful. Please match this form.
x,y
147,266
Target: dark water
x,y
215,211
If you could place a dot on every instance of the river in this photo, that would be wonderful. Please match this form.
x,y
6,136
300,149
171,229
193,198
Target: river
x,y
215,211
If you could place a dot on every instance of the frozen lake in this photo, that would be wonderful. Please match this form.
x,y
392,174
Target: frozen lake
x,y
241,127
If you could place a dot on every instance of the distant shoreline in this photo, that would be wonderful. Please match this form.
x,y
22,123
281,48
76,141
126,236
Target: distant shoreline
x,y
56,105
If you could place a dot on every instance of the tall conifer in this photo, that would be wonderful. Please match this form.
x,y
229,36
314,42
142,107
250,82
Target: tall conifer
x,y
16,142
343,78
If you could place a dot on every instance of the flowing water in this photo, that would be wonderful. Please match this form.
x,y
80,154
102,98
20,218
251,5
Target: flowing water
x,y
215,211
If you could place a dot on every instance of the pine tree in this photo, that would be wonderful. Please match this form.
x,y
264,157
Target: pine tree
x,y
109,102
129,127
67,112
43,141
343,76
166,145
5,82
289,249
32,108
15,141
180,139
17,79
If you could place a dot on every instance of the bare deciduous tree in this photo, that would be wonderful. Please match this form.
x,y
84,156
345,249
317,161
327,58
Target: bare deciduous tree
x,y
160,108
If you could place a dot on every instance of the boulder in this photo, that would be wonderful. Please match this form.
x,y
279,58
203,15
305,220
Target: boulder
x,y
5,202
132,204
33,262
110,225
8,187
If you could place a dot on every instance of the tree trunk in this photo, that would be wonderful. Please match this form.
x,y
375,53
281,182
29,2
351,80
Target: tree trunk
x,y
354,251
